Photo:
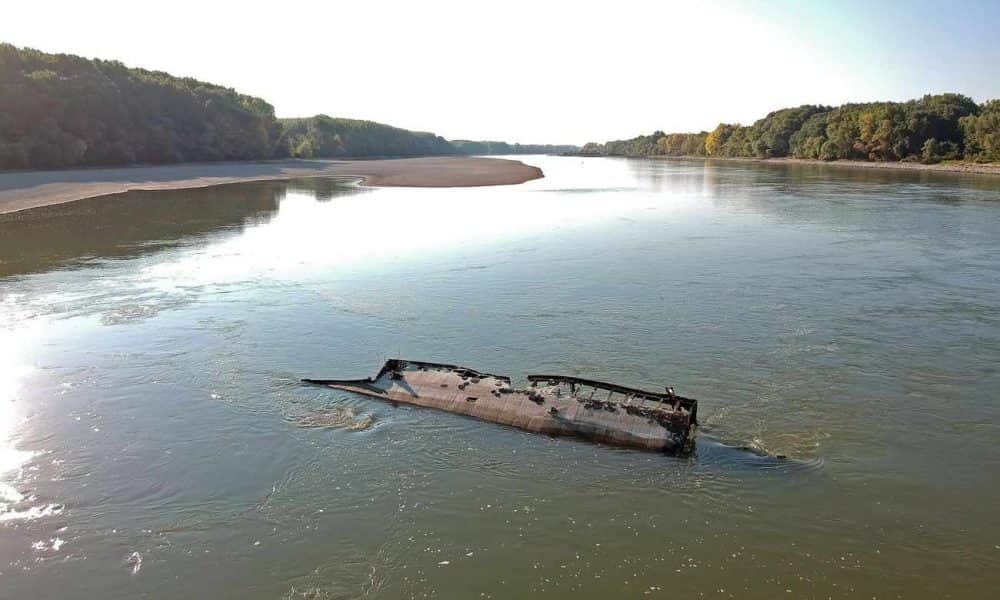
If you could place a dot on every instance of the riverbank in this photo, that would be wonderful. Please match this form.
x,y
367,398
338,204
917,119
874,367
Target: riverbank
x,y
24,190
945,167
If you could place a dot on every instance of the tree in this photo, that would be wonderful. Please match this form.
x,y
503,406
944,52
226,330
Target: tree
x,y
715,142
981,133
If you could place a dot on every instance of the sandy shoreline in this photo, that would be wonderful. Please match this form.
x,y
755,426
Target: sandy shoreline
x,y
24,190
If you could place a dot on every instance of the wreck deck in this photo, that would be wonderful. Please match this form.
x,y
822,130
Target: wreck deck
x,y
553,404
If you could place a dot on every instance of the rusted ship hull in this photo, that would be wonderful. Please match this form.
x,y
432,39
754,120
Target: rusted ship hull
x,y
551,404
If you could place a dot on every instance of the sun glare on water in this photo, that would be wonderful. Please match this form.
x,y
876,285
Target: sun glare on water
x,y
388,226
13,372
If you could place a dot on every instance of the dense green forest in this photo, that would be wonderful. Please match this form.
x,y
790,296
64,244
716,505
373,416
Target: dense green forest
x,y
59,110
323,136
929,130
474,147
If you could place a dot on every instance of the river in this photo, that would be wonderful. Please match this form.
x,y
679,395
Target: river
x,y
155,441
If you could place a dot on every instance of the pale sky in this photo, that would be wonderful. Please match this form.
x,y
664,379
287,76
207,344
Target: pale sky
x,y
543,71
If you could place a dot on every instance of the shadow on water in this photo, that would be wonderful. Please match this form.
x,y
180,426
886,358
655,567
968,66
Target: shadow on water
x,y
746,458
139,222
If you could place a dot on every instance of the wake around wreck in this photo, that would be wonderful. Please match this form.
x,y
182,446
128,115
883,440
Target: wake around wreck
x,y
551,404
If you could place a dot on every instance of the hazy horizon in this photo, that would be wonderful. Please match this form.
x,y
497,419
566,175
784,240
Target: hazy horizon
x,y
553,73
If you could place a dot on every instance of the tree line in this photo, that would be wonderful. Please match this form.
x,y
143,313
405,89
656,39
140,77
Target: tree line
x,y
929,130
323,136
475,147
59,110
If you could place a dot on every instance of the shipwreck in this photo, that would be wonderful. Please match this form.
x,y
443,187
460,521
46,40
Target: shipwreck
x,y
556,405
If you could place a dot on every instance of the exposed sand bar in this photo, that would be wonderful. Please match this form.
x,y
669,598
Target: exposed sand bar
x,y
23,190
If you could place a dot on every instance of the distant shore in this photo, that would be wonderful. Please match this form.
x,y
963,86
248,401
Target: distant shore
x,y
943,167
24,190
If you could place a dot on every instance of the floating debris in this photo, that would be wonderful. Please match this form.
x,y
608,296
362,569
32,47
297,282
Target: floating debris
x,y
135,560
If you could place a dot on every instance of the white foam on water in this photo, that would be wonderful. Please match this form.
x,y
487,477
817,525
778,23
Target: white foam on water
x,y
9,495
32,513
47,546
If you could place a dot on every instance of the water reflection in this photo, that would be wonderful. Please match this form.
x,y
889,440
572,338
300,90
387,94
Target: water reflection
x,y
768,180
322,189
389,229
138,222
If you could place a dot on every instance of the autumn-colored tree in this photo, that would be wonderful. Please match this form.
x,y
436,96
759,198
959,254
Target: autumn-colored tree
x,y
878,131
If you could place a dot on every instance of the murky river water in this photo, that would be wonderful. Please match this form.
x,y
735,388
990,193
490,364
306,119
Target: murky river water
x,y
154,440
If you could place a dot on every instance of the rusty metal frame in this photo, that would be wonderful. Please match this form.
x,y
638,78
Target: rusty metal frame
x,y
688,404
